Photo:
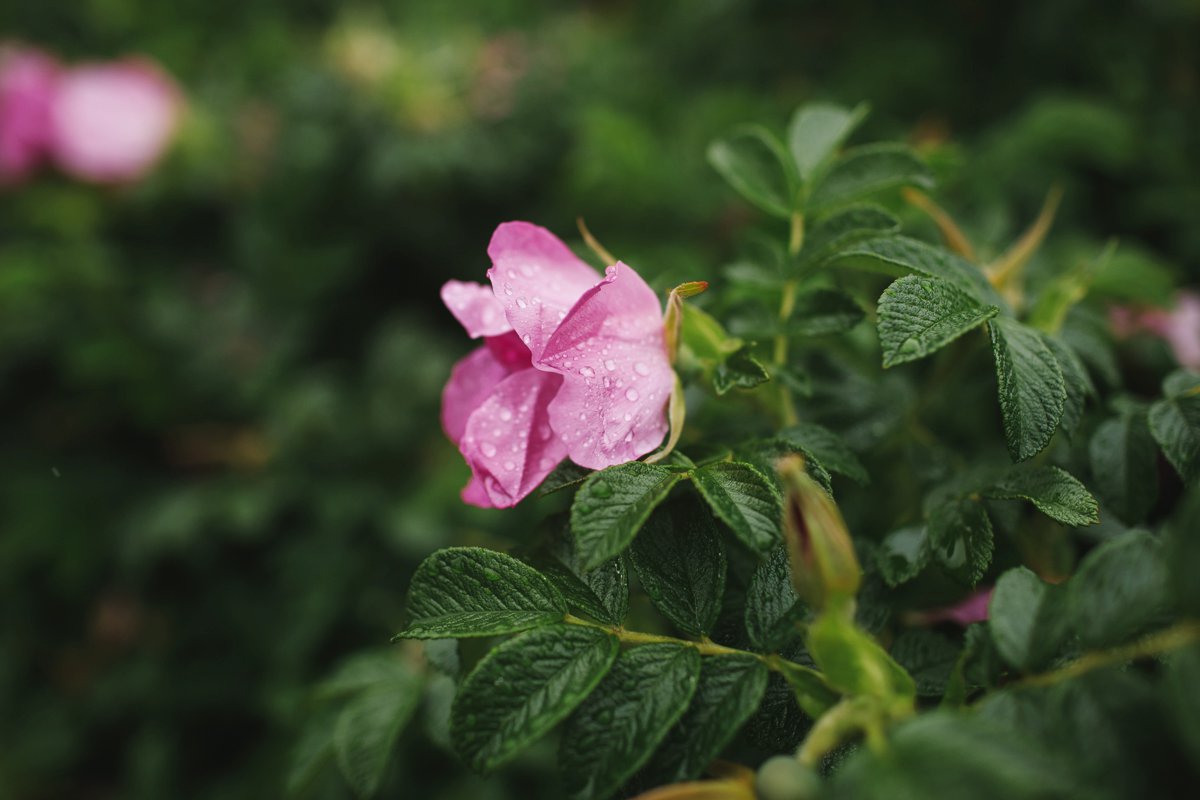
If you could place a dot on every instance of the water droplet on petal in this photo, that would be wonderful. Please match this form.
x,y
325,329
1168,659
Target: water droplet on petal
x,y
488,449
509,466
506,414
639,367
582,415
527,270
610,365
631,394
508,289
628,417
526,339
629,437
521,302
587,372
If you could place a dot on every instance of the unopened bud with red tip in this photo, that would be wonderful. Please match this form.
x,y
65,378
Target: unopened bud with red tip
x,y
825,570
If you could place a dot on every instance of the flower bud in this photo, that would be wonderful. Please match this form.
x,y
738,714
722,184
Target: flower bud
x,y
824,566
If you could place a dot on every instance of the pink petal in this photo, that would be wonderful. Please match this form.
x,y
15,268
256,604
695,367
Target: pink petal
x,y
509,442
510,351
973,609
473,494
476,307
113,121
27,82
471,381
537,279
611,351
1183,330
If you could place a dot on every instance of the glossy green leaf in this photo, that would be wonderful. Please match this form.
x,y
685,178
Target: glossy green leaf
x,y
1054,491
772,606
902,554
817,130
928,656
469,591
523,688
900,255
1120,591
864,171
740,370
1027,619
745,500
820,443
960,537
837,231
943,754
680,563
613,504
1125,465
920,315
822,312
616,730
1078,383
1175,423
1031,387
601,593
366,730
755,164
727,694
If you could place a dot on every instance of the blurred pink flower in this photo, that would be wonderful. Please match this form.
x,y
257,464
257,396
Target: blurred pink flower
x,y
1179,327
27,83
112,121
974,608
574,366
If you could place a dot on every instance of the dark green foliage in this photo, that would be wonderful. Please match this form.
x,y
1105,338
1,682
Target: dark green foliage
x,y
728,692
1028,619
680,562
745,500
468,591
612,505
614,732
772,606
221,459
523,688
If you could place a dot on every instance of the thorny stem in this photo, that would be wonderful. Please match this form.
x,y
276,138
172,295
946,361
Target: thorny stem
x,y
1179,635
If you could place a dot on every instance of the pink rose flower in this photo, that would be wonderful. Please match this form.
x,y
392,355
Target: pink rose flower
x,y
974,608
27,83
112,122
573,365
1179,327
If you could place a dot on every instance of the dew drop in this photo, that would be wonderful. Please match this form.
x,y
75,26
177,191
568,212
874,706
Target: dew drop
x,y
488,449
527,270
639,367
601,489
506,414
509,466
526,339
580,346
610,365
629,417
587,372
508,289
631,394
582,416
491,574
521,302
629,437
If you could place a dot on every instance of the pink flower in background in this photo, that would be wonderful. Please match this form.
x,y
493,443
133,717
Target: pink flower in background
x,y
27,83
974,608
112,122
574,365
1179,327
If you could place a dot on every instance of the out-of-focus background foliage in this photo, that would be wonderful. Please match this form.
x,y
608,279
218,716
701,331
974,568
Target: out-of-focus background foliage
x,y
219,456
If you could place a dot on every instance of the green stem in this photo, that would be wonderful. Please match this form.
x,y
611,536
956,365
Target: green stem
x,y
1178,635
706,646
